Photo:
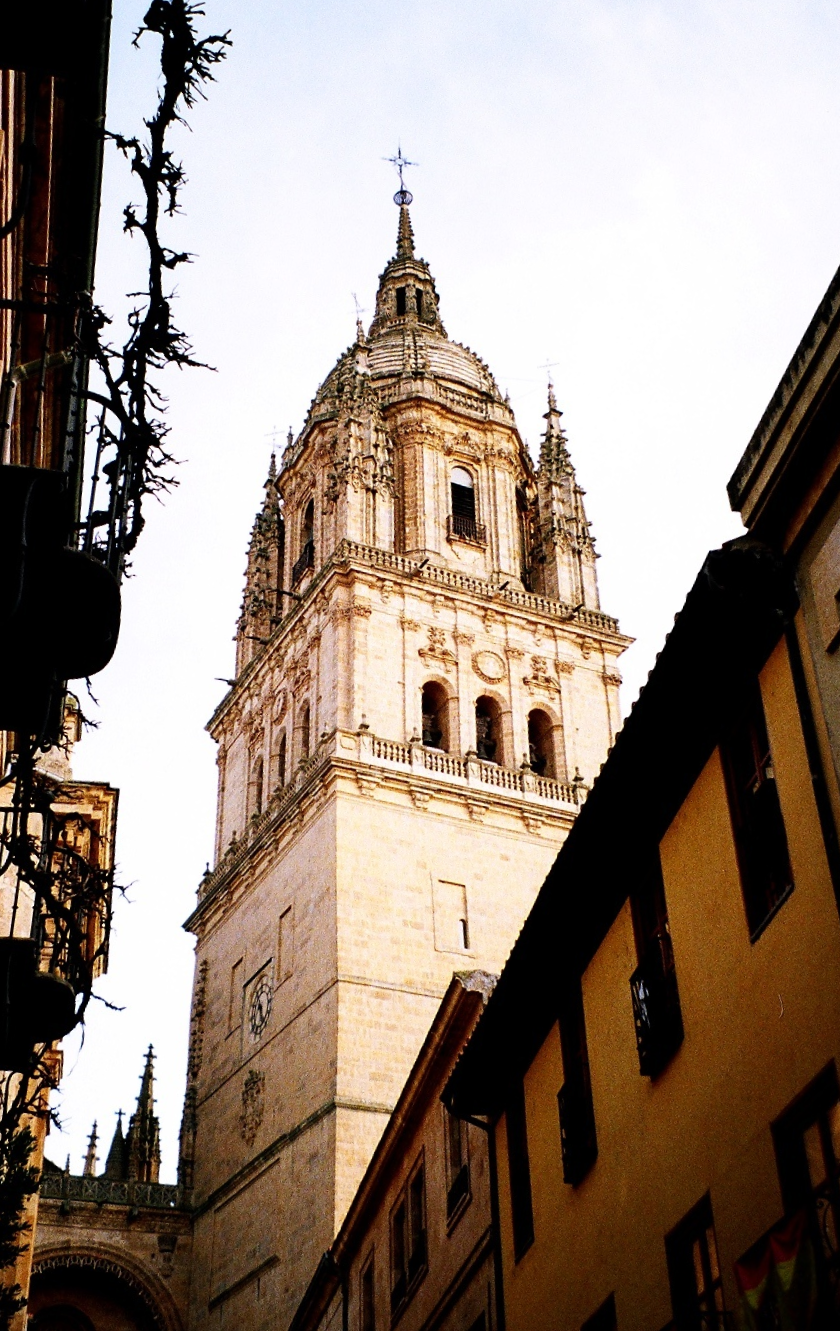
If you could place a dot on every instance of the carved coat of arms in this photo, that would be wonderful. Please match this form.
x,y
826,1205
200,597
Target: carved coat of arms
x,y
251,1116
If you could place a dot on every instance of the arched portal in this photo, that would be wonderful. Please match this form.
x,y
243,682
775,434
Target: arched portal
x,y
77,1291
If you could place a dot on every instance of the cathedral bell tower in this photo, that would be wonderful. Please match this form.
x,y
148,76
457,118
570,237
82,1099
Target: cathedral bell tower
x,y
425,686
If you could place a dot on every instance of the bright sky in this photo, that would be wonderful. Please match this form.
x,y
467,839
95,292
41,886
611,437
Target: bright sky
x,y
643,193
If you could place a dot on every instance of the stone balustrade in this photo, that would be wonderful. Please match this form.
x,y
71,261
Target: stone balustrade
x,y
116,1192
363,751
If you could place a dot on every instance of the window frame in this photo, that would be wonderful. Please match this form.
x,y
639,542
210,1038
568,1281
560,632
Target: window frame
x,y
519,1171
657,1013
603,1318
750,818
812,1109
406,1277
575,1104
683,1244
458,1181
368,1271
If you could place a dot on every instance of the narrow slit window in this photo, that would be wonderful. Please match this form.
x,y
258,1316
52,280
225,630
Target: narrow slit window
x,y
418,297
401,301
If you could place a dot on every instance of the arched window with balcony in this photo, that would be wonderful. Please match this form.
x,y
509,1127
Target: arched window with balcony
x,y
488,730
541,756
463,520
306,558
435,709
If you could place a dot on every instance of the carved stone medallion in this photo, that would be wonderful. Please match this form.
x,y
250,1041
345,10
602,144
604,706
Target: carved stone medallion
x,y
489,667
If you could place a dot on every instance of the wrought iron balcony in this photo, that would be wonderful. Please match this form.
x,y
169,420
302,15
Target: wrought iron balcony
x,y
305,561
578,1143
656,1008
465,528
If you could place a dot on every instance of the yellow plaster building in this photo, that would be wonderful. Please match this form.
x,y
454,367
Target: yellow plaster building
x,y
659,1058
425,686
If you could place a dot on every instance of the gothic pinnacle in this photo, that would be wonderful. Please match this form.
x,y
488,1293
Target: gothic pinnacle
x,y
91,1157
405,235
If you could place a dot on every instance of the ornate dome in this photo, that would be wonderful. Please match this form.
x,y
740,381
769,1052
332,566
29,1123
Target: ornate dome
x,y
406,339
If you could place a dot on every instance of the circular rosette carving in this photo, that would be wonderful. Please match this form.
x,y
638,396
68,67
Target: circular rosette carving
x,y
489,667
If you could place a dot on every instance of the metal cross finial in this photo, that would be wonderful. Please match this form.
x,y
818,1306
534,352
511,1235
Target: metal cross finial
x,y
548,367
402,196
360,310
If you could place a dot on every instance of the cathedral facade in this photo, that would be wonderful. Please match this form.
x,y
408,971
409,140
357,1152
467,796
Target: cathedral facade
x,y
425,687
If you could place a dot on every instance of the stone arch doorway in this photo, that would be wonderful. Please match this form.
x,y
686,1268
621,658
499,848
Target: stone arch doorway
x,y
88,1292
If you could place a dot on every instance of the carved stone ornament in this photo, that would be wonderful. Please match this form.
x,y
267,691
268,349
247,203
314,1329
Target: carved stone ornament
x,y
467,638
410,625
540,678
301,680
253,1106
612,677
437,653
489,667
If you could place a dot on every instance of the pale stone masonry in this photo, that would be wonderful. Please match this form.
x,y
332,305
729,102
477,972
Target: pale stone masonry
x,y
425,687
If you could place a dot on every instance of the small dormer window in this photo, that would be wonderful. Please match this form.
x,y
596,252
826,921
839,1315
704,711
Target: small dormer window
x,y
418,296
401,291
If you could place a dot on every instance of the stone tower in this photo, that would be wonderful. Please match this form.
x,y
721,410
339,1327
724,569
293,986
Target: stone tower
x,y
425,684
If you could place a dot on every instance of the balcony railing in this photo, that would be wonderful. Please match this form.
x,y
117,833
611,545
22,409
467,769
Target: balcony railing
x,y
306,560
656,1008
464,528
578,1143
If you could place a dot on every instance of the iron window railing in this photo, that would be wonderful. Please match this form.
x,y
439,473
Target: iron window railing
x,y
305,561
656,1008
465,528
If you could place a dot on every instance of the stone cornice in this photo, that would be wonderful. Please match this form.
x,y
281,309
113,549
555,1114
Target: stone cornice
x,y
370,762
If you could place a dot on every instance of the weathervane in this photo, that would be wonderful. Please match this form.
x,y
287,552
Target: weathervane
x,y
402,196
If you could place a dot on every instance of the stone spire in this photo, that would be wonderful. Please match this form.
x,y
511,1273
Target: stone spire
x,y
142,1142
91,1159
555,462
407,298
567,551
115,1162
405,234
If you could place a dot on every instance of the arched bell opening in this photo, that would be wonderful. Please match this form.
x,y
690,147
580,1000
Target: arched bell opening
x,y
280,773
464,517
307,526
306,544
435,711
488,730
541,756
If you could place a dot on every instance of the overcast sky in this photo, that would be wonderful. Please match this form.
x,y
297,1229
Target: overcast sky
x,y
645,195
